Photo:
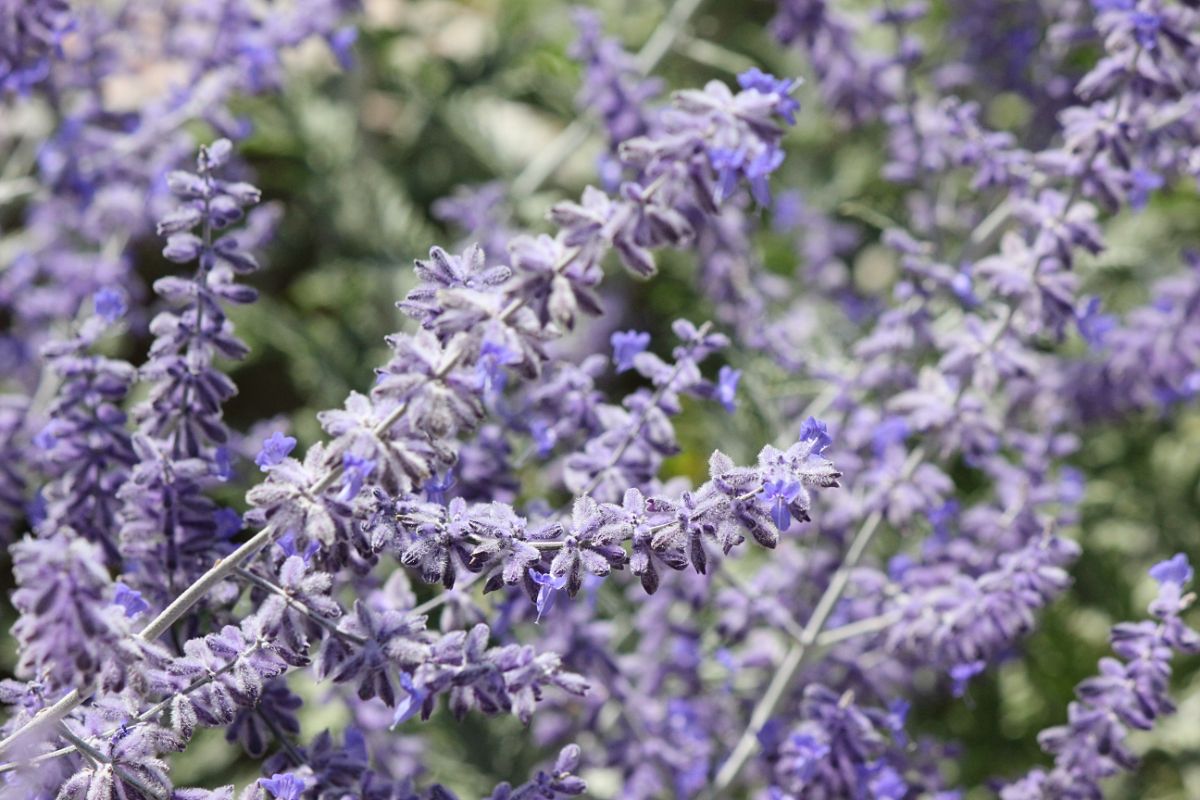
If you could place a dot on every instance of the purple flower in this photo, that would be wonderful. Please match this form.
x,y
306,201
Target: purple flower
x,y
1174,570
287,544
548,584
355,471
410,705
1143,183
341,43
728,164
435,488
886,784
283,786
1146,27
613,84
891,431
493,358
961,675
804,754
33,32
110,304
223,463
1094,326
274,450
759,170
759,81
780,494
626,345
726,388
228,522
129,599
816,431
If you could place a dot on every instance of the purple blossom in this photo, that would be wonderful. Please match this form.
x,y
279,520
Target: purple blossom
x,y
435,488
815,431
613,85
961,675
547,585
1129,692
780,495
129,599
110,304
275,448
283,786
780,88
626,345
1175,570
1143,184
726,389
1095,326
355,472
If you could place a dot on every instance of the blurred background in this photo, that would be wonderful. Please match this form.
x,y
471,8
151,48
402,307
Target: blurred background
x,y
449,93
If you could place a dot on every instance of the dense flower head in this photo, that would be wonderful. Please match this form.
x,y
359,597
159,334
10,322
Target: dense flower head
x,y
1129,692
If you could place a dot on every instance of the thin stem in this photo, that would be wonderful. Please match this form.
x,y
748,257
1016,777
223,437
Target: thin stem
x,y
16,188
146,715
269,585
660,41
711,54
97,757
289,748
45,718
798,654
862,627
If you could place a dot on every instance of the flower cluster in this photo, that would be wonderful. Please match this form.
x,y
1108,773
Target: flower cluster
x,y
513,516
1130,692
171,530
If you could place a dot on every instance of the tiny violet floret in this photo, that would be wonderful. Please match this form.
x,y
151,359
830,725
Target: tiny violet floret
x,y
626,345
1174,570
110,304
757,80
780,494
892,430
1094,326
435,488
129,599
223,463
726,388
355,471
274,450
886,784
493,358
548,586
228,522
410,705
283,786
812,429
961,675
